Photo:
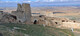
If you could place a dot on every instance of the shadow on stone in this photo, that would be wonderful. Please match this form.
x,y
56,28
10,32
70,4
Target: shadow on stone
x,y
1,34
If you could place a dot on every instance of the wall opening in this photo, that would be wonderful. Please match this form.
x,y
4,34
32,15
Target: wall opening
x,y
56,22
14,17
35,22
63,20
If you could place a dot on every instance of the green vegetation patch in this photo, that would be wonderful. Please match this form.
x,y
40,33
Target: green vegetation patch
x,y
38,30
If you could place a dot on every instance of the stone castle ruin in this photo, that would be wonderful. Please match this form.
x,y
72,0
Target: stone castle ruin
x,y
50,21
23,15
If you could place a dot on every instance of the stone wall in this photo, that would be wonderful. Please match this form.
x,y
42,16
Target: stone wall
x,y
7,18
50,21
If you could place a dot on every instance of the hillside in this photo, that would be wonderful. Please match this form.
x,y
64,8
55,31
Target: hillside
x,y
32,30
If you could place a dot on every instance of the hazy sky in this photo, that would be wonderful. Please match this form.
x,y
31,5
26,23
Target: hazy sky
x,y
11,3
39,0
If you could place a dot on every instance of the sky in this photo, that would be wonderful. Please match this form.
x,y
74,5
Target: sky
x,y
40,2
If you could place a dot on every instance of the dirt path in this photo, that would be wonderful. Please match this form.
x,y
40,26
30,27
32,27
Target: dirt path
x,y
65,33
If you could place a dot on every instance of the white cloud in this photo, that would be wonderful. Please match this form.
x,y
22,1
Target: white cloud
x,y
38,1
17,1
26,1
55,0
52,0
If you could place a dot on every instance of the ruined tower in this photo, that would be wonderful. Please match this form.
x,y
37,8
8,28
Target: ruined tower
x,y
23,13
27,11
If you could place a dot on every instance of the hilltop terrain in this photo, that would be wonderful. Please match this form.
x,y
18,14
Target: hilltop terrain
x,y
60,15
